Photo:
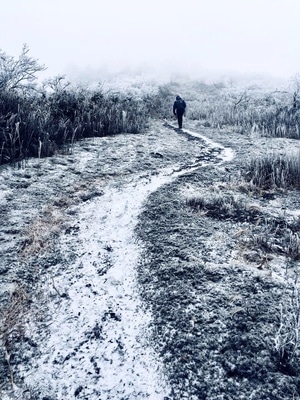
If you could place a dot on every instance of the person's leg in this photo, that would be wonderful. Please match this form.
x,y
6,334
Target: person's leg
x,y
179,116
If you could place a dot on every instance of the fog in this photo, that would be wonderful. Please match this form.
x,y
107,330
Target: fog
x,y
86,38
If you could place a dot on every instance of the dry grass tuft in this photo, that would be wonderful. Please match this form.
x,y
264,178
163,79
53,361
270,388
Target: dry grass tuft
x,y
287,338
223,206
12,323
275,171
40,234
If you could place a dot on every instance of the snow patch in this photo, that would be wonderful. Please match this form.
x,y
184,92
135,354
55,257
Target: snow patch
x,y
98,338
96,344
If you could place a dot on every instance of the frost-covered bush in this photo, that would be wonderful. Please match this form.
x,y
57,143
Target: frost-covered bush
x,y
275,170
246,107
40,123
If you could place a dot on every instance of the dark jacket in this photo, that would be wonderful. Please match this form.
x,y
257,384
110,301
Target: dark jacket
x,y
179,106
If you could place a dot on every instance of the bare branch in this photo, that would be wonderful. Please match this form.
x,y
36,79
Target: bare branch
x,y
18,73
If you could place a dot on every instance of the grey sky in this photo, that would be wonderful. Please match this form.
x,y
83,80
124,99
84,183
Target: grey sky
x,y
260,36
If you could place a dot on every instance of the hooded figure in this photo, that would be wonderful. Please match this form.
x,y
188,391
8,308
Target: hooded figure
x,y
179,109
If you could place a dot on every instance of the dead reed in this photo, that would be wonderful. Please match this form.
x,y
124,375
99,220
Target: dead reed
x,y
275,171
42,123
272,113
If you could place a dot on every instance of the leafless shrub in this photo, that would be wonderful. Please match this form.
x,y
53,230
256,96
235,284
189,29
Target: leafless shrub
x,y
18,74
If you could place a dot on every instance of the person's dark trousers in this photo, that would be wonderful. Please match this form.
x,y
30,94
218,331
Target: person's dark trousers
x,y
179,118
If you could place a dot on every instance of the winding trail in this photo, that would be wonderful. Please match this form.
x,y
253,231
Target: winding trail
x,y
98,343
96,347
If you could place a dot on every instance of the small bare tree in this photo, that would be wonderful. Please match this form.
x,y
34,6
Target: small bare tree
x,y
56,84
19,74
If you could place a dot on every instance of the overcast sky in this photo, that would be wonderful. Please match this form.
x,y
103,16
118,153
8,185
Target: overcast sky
x,y
245,36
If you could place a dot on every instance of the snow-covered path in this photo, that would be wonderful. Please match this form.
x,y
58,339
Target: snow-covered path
x,y
96,344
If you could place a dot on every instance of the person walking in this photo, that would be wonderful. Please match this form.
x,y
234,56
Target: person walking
x,y
179,109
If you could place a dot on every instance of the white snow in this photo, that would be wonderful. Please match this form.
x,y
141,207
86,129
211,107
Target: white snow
x,y
98,346
103,318
227,152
